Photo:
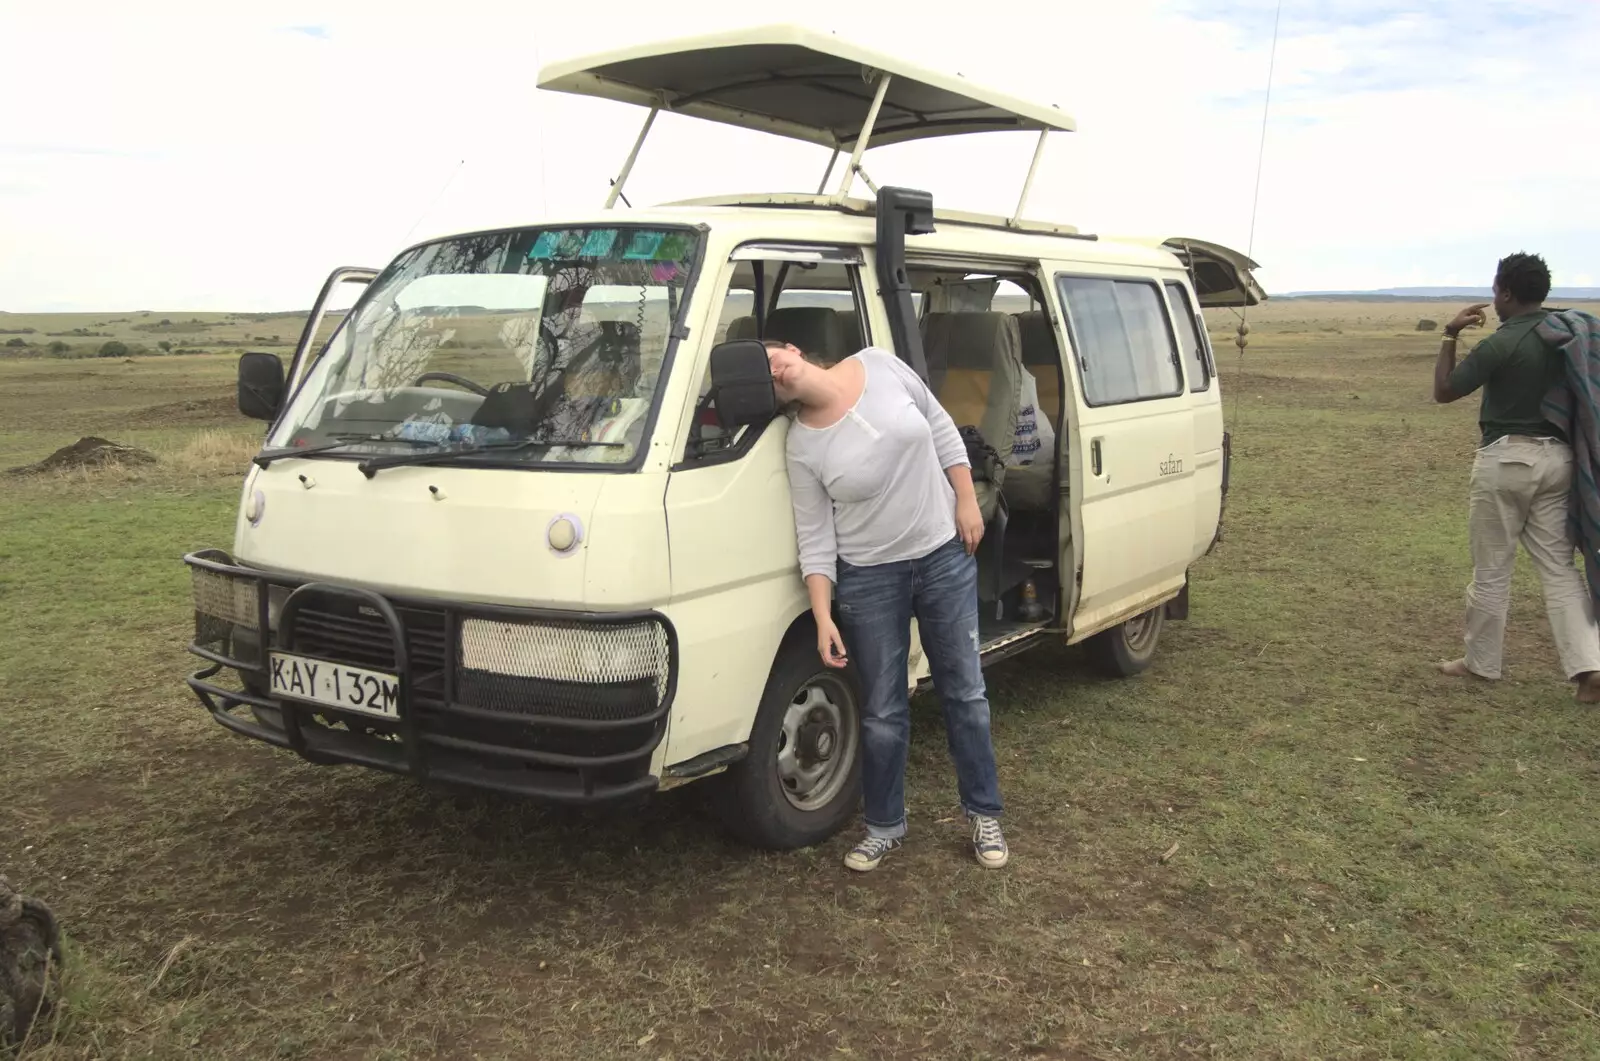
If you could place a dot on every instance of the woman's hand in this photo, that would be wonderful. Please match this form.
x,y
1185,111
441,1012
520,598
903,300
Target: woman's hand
x,y
830,646
969,522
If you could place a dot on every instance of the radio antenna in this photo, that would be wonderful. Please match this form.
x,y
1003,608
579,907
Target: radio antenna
x,y
1241,338
434,202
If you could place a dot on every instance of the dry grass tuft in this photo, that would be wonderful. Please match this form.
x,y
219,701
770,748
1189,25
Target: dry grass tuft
x,y
214,452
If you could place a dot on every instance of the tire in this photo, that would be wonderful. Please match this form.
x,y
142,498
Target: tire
x,y
1127,648
270,717
800,782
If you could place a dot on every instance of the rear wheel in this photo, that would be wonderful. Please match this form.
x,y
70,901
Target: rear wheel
x,y
801,779
1127,648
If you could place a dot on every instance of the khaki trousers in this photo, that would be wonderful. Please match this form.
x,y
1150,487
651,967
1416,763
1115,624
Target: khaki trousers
x,y
1521,489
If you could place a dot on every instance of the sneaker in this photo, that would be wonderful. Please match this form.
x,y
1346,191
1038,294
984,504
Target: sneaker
x,y
988,843
866,855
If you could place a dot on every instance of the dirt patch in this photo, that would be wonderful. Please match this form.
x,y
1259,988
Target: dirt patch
x,y
89,452
189,411
50,375
1266,383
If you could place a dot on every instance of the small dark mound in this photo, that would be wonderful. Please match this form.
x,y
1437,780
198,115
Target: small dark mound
x,y
91,452
30,964
1426,325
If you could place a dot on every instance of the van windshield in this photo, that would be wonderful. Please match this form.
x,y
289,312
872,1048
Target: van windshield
x,y
532,346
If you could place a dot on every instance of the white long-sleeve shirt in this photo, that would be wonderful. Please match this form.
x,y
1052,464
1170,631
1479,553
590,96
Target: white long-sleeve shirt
x,y
871,488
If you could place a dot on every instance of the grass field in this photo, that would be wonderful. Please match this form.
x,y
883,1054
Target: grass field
x,y
1371,861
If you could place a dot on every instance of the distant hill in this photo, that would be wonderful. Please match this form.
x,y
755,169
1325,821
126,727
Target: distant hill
x,y
1429,294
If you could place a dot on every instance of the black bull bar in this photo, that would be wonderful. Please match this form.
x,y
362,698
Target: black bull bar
x,y
563,740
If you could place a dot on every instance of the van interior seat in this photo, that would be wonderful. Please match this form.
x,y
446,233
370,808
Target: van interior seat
x,y
982,382
818,330
1031,487
814,329
612,368
1043,362
854,339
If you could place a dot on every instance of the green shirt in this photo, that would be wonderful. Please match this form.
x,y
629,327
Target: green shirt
x,y
1516,369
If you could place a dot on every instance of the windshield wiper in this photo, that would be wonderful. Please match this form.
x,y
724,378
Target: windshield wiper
x,y
372,465
267,456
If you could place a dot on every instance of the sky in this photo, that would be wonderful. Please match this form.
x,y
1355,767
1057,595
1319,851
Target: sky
x,y
176,156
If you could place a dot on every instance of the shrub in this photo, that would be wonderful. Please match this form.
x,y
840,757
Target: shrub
x,y
166,346
114,349
58,348
17,342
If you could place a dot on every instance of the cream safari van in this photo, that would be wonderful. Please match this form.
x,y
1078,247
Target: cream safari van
x,y
522,523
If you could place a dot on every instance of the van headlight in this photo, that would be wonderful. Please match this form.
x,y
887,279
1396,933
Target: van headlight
x,y
597,670
565,653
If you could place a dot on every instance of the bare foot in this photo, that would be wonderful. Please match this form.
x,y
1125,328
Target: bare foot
x,y
1589,688
1456,668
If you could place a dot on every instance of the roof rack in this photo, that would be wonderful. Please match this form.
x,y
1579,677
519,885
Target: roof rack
x,y
802,83
869,208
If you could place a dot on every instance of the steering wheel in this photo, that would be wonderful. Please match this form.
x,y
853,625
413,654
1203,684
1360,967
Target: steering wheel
x,y
451,377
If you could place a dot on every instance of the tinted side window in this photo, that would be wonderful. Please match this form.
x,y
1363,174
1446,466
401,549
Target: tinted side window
x,y
1125,349
815,305
1189,341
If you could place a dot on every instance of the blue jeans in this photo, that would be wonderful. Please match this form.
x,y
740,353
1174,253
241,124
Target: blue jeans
x,y
876,604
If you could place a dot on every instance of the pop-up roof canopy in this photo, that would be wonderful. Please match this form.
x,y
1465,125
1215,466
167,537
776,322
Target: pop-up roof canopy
x,y
818,87
793,81
801,83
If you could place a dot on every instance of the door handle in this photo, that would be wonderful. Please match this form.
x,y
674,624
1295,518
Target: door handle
x,y
1095,461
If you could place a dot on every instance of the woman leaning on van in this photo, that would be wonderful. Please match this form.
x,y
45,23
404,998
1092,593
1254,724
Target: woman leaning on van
x,y
885,511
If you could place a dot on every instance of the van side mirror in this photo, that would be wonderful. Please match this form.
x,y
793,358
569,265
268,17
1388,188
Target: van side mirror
x,y
741,378
260,386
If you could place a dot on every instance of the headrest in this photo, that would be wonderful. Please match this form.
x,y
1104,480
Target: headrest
x,y
850,325
740,328
969,340
1038,340
814,329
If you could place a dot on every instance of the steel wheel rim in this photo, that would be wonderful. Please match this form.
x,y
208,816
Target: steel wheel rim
x,y
1139,633
817,743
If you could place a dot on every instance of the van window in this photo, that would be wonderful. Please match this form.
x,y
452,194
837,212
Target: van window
x,y
546,342
1124,347
811,304
1188,329
810,299
993,363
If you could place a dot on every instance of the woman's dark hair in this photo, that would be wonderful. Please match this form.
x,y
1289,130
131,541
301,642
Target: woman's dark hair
x,y
1525,277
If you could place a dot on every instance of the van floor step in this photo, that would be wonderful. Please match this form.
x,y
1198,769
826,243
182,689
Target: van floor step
x,y
993,630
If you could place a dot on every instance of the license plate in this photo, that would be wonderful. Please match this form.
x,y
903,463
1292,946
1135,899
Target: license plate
x,y
335,685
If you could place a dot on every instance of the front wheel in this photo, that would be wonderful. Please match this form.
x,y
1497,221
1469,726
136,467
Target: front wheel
x,y
801,779
1127,648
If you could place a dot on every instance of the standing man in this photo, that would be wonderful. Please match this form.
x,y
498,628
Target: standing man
x,y
1521,478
